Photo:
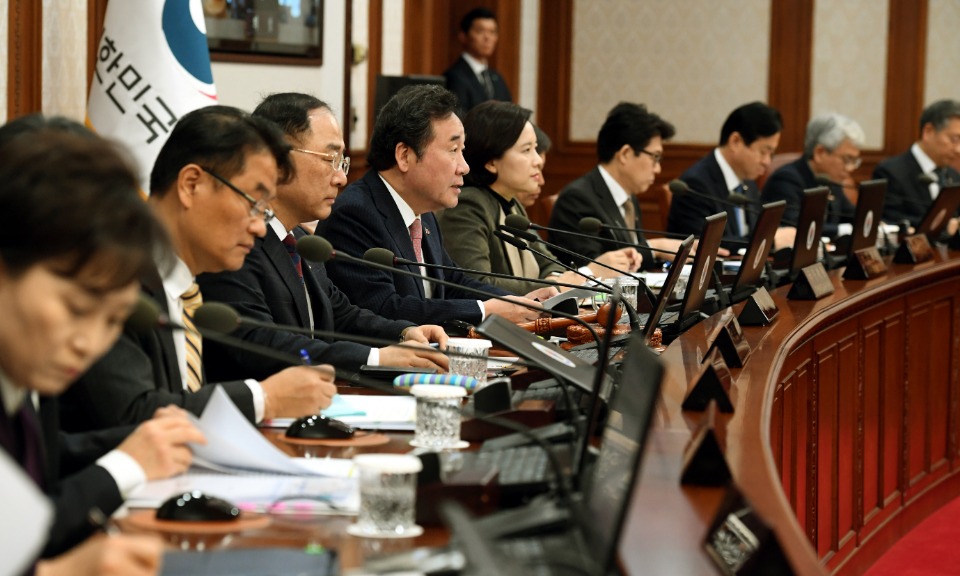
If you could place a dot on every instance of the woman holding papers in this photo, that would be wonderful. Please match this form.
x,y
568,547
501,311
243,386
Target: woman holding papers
x,y
501,149
74,234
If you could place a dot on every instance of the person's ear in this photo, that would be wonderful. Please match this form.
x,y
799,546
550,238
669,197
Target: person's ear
x,y
405,156
492,166
189,184
624,153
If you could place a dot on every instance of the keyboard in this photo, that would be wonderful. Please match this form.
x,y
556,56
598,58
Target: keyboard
x,y
519,465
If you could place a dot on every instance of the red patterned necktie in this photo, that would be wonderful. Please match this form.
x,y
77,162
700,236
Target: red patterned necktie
x,y
291,244
416,236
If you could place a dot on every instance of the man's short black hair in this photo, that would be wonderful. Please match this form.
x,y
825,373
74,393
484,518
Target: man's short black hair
x,y
631,124
218,138
290,111
752,121
492,128
466,23
939,114
408,118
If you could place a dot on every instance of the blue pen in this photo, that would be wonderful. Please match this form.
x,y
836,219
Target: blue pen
x,y
304,357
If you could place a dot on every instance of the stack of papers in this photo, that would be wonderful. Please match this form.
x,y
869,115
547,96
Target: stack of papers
x,y
366,412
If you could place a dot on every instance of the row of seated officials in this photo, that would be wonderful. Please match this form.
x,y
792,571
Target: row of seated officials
x,y
94,408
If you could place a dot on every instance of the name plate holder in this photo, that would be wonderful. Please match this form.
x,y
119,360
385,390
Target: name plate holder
x,y
731,343
913,250
740,543
865,264
703,461
712,385
759,310
812,283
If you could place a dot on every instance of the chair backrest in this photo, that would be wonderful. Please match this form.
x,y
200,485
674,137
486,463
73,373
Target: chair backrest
x,y
655,208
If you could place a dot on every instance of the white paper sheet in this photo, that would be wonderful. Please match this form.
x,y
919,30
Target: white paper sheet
x,y
379,413
28,514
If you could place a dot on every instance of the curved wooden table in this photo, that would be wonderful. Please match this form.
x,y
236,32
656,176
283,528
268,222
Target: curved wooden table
x,y
845,433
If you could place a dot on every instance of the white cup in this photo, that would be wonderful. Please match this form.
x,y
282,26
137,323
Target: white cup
x,y
474,363
438,416
388,496
629,290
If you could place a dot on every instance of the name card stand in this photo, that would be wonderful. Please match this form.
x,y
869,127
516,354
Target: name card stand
x,y
712,384
812,283
865,264
913,250
731,343
759,310
740,543
703,461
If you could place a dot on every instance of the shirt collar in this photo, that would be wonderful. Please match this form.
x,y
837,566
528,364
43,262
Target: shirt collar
x,y
477,66
926,164
729,176
278,228
12,395
406,212
617,192
178,280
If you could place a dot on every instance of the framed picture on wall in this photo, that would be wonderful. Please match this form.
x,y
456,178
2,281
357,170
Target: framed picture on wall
x,y
265,31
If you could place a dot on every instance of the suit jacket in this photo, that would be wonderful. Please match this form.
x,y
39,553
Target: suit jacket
x,y
688,212
137,376
267,288
462,81
468,237
75,494
365,216
788,184
907,198
590,196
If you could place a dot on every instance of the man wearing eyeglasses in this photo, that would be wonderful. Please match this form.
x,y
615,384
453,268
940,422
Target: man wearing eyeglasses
x,y
629,146
914,178
831,151
211,187
276,286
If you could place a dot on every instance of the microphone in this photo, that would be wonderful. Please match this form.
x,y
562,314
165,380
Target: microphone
x,y
593,226
388,258
501,233
318,249
735,199
631,311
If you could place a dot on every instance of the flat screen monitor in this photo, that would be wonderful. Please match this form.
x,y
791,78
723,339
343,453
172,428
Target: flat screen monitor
x,y
676,270
702,269
813,207
940,212
866,222
761,242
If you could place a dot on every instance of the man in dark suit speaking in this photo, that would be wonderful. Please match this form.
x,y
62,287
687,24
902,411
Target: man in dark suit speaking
x,y
908,194
749,137
470,77
275,285
417,167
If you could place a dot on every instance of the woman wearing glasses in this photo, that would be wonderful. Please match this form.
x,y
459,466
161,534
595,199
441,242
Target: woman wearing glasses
x,y
505,167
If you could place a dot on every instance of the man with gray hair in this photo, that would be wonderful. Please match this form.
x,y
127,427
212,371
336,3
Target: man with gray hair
x,y
916,176
831,152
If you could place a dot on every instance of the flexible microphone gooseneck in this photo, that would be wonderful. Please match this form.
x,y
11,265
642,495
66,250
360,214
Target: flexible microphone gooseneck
x,y
388,258
593,226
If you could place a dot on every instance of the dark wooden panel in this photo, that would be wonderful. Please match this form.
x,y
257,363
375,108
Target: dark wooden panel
x,y
906,62
791,55
24,57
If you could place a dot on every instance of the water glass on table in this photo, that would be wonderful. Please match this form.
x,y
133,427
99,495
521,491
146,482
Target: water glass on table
x,y
469,358
388,496
438,416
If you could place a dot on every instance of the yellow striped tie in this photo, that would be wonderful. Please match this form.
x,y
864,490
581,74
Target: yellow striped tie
x,y
192,299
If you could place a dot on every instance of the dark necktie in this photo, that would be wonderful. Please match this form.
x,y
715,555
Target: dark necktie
x,y
28,428
290,243
416,236
487,83
742,228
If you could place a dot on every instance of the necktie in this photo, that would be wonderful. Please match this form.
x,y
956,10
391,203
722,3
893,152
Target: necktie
x,y
28,428
487,82
192,299
742,227
416,236
291,245
630,218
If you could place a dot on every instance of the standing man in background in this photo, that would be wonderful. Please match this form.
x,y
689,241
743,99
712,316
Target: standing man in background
x,y
470,77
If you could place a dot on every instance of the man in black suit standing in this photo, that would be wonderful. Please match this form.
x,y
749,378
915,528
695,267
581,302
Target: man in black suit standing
x,y
629,147
417,167
749,137
470,77
914,178
831,149
275,285
211,187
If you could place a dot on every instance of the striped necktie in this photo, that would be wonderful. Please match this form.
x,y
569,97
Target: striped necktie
x,y
291,244
192,299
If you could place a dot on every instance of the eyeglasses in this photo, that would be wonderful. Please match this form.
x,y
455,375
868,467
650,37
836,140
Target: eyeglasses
x,y
851,162
258,208
656,156
337,159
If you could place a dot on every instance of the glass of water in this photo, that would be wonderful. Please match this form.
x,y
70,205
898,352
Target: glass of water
x,y
438,416
388,496
470,359
629,289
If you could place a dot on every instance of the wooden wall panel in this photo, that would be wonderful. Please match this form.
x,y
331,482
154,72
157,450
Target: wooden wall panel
x,y
24,56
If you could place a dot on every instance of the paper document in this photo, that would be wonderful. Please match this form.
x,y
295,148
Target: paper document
x,y
233,443
576,293
335,492
370,412
28,514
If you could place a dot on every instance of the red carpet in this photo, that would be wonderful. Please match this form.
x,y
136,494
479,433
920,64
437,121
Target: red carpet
x,y
930,549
